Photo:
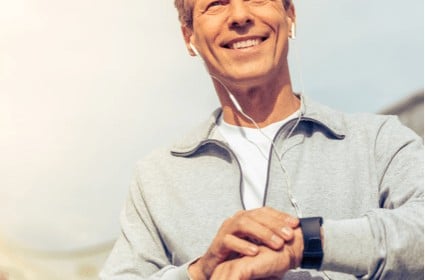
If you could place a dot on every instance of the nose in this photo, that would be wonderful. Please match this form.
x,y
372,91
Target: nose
x,y
239,14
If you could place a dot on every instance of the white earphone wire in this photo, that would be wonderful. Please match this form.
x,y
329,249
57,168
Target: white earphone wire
x,y
235,103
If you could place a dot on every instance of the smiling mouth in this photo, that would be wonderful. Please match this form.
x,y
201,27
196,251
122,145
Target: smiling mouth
x,y
244,43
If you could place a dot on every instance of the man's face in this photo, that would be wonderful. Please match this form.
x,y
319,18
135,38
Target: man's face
x,y
241,40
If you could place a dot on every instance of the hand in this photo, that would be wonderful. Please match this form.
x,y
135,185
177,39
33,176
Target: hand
x,y
241,235
268,264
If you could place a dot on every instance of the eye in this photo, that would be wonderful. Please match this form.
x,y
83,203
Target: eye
x,y
215,4
259,2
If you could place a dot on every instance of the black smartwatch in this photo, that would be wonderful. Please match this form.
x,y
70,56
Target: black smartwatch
x,y
313,253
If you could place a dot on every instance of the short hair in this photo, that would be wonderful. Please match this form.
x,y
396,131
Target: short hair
x,y
185,10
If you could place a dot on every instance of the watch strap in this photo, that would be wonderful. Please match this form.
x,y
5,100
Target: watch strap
x,y
313,253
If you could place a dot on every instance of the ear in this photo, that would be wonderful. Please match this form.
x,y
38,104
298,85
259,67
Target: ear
x,y
187,35
291,19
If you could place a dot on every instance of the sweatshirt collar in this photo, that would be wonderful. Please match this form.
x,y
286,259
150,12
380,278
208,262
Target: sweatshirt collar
x,y
311,111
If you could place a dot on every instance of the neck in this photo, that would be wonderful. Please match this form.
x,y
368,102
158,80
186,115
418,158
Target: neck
x,y
264,104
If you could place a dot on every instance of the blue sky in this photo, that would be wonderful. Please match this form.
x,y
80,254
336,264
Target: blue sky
x,y
89,87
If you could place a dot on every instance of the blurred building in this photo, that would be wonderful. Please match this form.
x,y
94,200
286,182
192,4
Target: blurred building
x,y
24,264
410,111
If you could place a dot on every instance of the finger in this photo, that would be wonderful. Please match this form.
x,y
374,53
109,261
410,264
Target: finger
x,y
246,227
280,223
223,247
232,243
283,217
286,218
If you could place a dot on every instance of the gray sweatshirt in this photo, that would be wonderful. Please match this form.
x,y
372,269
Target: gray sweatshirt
x,y
362,173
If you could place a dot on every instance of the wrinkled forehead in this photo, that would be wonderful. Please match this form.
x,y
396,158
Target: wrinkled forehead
x,y
191,3
185,9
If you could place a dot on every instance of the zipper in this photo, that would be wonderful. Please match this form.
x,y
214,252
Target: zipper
x,y
266,190
232,154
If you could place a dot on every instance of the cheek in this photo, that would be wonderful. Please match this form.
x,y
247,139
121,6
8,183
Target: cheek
x,y
206,37
274,17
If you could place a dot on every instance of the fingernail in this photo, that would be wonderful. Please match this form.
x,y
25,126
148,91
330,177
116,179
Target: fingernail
x,y
276,240
286,231
253,249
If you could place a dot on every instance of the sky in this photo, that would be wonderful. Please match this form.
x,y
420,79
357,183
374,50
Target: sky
x,y
88,87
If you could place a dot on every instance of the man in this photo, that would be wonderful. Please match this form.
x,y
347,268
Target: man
x,y
224,203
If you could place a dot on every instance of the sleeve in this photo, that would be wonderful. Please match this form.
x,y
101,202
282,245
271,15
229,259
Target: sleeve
x,y
388,242
139,252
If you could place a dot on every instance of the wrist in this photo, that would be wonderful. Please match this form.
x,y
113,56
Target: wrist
x,y
195,271
298,256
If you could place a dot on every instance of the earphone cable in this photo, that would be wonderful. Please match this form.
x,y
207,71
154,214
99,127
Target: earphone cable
x,y
273,146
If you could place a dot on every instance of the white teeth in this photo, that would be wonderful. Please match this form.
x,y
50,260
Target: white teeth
x,y
245,44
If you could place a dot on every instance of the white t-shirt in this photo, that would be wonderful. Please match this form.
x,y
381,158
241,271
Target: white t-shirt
x,y
252,150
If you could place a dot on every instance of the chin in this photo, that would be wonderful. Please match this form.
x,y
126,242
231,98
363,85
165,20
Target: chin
x,y
250,74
